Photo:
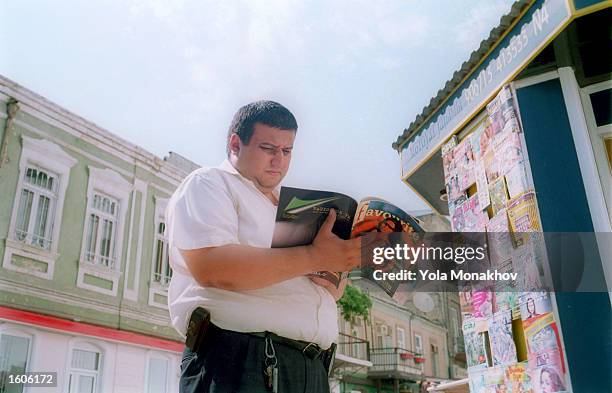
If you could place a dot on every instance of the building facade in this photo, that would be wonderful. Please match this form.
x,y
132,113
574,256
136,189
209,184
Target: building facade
x,y
84,260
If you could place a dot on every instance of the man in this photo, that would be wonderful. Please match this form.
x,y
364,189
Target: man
x,y
269,322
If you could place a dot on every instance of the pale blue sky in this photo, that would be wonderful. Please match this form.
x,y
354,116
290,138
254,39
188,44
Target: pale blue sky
x,y
168,75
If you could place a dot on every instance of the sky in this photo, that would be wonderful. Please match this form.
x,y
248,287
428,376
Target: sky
x,y
168,75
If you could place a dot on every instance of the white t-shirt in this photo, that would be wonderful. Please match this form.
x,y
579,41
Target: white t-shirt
x,y
217,206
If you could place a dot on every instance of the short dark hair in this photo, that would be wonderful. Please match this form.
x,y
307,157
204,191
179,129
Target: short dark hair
x,y
269,113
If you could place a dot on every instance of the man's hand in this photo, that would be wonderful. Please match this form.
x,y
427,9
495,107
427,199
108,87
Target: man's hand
x,y
336,292
333,253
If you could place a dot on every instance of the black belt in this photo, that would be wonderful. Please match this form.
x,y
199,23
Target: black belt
x,y
312,350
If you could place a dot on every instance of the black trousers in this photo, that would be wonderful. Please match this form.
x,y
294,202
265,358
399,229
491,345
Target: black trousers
x,y
234,363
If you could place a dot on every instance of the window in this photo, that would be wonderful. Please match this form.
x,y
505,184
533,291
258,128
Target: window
x,y
37,199
13,359
100,237
157,376
108,195
161,272
84,371
34,229
418,347
161,268
418,344
434,360
401,338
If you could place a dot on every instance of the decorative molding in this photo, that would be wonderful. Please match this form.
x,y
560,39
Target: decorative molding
x,y
103,273
128,293
156,289
23,250
45,110
82,302
50,153
73,148
109,181
141,186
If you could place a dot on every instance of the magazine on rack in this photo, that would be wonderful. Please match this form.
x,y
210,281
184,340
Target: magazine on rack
x,y
301,213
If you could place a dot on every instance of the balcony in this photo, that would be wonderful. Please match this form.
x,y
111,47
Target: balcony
x,y
396,363
352,352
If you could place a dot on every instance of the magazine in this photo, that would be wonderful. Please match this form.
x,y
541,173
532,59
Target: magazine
x,y
499,239
516,178
484,199
464,157
474,219
498,195
503,349
488,380
302,212
542,338
547,372
474,336
517,379
523,213
528,264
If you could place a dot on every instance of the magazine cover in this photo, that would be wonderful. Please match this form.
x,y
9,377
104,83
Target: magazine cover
x,y
547,373
465,302
541,336
509,151
377,215
506,297
491,164
475,344
482,302
516,179
523,213
498,195
464,157
456,214
474,219
528,264
534,304
487,380
453,190
503,350
517,379
499,239
485,139
448,164
481,184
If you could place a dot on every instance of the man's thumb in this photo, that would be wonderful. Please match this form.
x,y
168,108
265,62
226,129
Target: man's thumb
x,y
329,221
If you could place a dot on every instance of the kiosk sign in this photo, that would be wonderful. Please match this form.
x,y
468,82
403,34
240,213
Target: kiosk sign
x,y
541,22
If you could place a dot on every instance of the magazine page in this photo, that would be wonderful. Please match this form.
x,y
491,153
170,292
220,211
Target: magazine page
x,y
380,216
301,213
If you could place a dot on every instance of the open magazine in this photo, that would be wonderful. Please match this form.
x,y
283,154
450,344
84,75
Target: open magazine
x,y
302,212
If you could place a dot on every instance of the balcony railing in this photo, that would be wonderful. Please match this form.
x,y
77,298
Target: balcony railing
x,y
354,347
395,361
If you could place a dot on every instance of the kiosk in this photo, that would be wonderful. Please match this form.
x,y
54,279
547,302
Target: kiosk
x,y
549,63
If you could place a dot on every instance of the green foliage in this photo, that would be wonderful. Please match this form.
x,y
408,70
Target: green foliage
x,y
354,303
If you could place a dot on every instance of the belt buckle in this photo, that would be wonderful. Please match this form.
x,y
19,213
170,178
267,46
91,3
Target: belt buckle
x,y
312,350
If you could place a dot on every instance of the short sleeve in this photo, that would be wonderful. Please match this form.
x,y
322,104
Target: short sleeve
x,y
201,213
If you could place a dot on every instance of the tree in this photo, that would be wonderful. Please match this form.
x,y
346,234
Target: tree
x,y
354,303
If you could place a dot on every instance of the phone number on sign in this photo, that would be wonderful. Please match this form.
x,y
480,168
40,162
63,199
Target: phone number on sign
x,y
32,379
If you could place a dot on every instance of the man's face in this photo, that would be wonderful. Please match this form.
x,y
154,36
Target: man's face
x,y
265,159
